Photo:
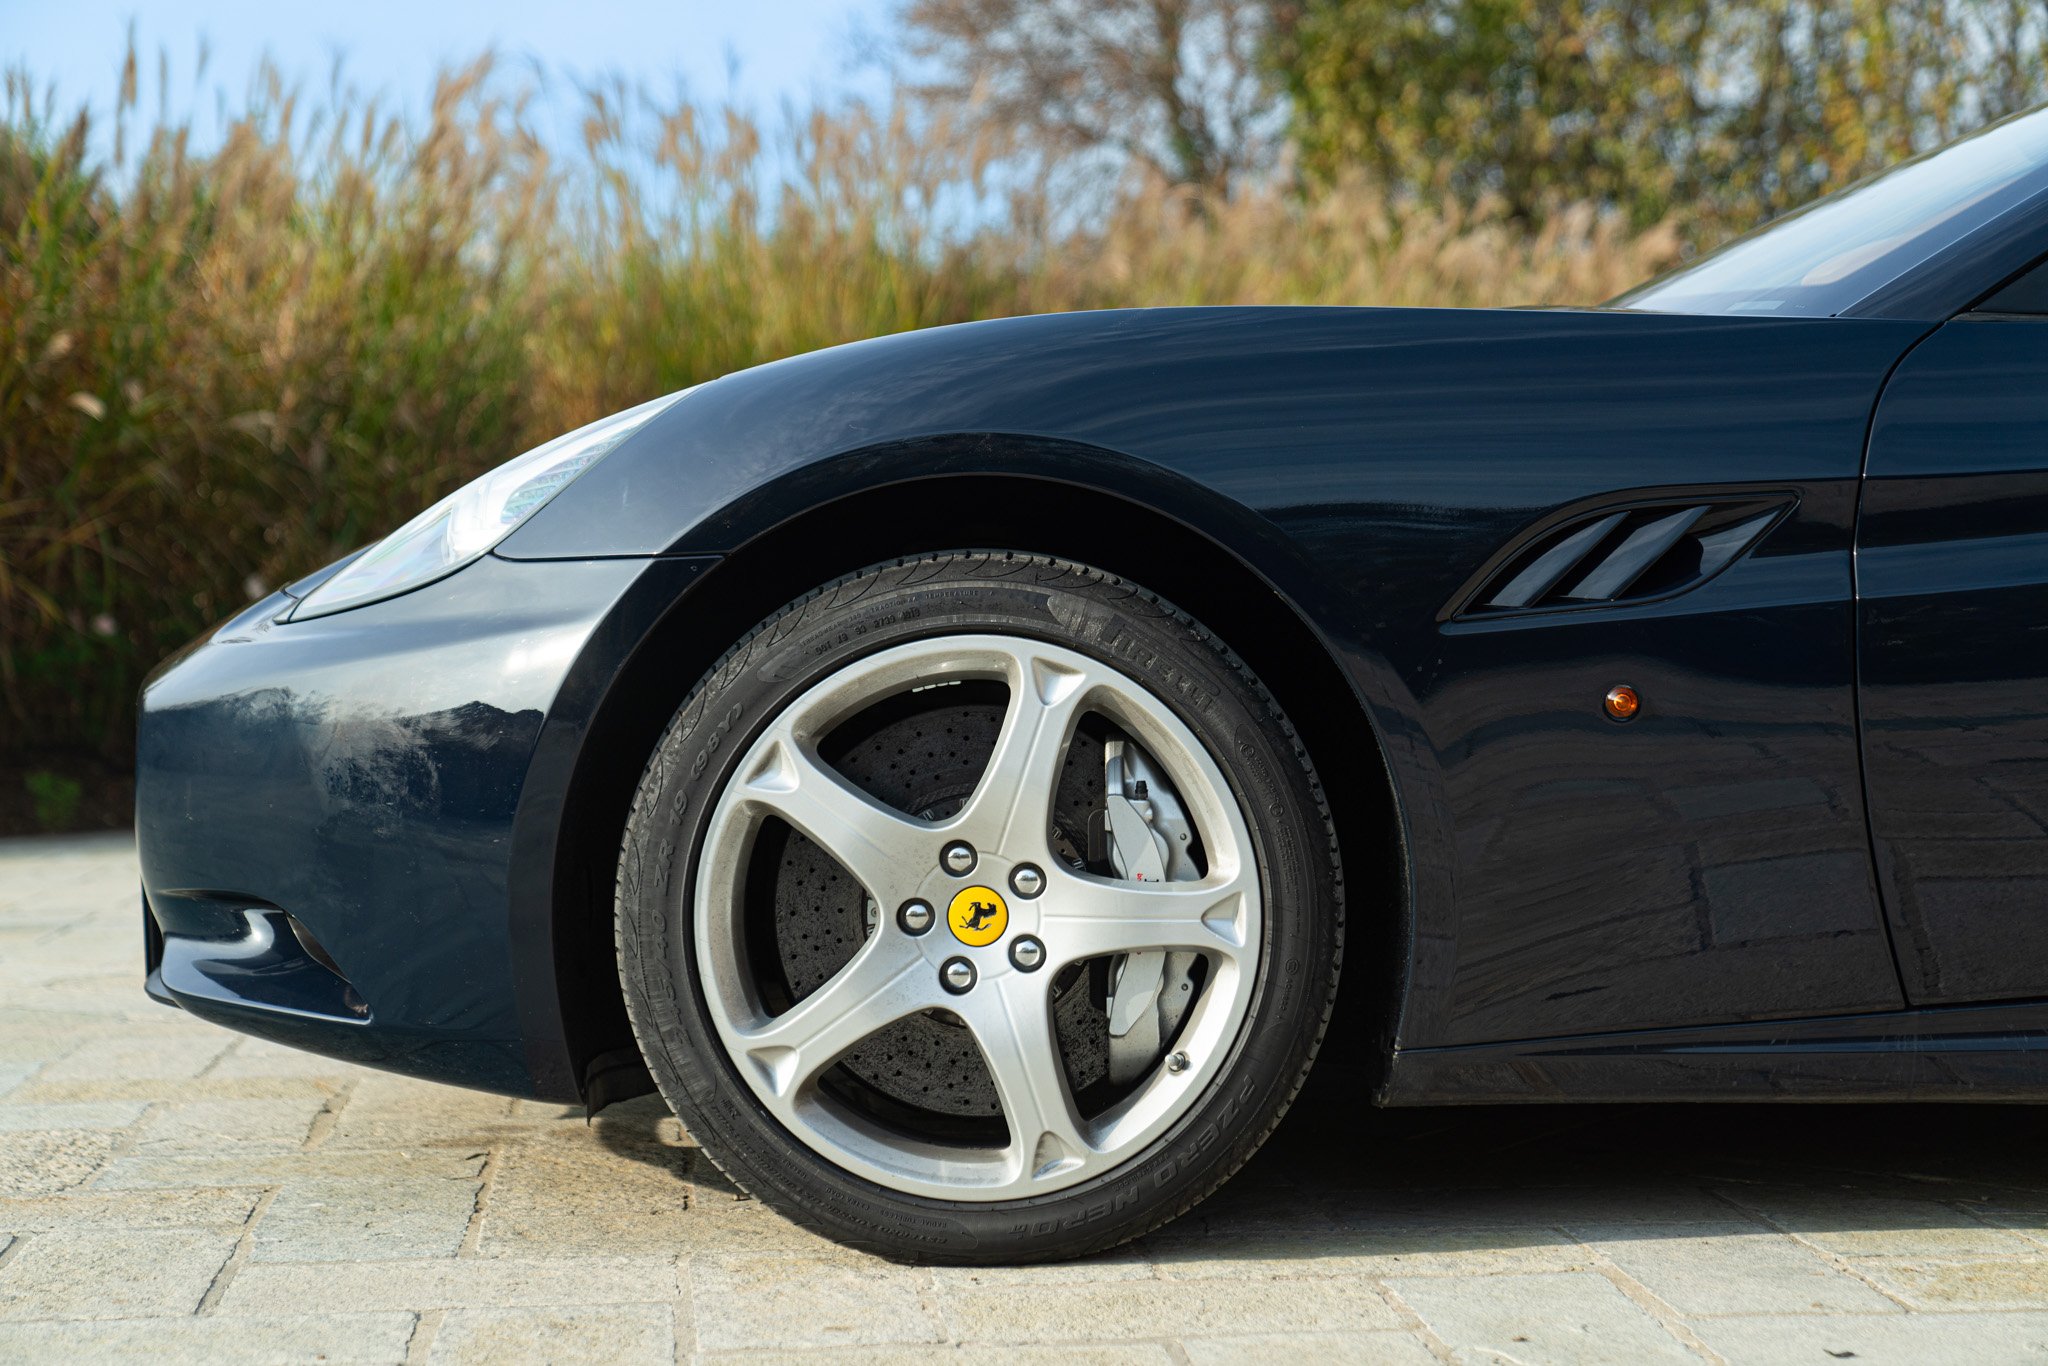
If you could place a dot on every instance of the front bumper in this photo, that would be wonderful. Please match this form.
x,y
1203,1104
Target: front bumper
x,y
329,819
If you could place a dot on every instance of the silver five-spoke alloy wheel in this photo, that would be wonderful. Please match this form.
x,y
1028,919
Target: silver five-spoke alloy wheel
x,y
1044,913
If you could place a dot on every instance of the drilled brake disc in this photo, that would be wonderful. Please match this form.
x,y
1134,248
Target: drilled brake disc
x,y
922,755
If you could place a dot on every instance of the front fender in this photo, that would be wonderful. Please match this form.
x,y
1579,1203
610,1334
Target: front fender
x,y
1368,462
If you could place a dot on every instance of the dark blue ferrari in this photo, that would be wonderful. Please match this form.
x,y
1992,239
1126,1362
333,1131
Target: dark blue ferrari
x,y
958,769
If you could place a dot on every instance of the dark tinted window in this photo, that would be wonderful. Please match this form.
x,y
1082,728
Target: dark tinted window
x,y
2028,294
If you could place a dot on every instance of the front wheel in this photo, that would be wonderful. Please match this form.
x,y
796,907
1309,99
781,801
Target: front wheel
x,y
979,907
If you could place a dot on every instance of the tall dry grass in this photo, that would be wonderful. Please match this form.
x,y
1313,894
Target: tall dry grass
x,y
220,369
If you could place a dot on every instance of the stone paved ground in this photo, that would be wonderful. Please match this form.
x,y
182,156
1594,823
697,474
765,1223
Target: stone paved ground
x,y
171,1191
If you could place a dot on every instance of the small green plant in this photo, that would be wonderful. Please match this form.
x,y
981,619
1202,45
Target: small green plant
x,y
54,799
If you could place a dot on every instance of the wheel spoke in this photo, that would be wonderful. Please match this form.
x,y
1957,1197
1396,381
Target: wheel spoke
x,y
1011,807
883,982
1012,1021
1086,917
883,849
782,779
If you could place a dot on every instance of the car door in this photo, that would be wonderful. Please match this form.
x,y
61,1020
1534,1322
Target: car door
x,y
1952,578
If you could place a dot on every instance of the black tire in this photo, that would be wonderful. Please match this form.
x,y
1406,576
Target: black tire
x,y
1213,692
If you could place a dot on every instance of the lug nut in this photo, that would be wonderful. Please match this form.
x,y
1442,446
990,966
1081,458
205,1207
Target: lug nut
x,y
1027,953
957,976
916,917
1177,1063
1026,881
957,858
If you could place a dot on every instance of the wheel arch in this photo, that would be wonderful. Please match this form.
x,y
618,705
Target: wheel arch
x,y
937,506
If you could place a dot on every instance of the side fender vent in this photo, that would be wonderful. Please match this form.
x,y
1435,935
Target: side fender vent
x,y
1611,555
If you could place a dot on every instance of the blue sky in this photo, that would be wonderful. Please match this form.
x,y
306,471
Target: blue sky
x,y
759,51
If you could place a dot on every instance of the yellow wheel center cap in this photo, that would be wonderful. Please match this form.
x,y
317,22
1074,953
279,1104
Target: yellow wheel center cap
x,y
977,916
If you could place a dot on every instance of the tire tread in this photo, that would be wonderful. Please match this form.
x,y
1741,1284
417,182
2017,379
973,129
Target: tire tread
x,y
644,826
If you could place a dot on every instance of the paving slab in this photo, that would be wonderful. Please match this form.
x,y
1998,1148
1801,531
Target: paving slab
x,y
443,1283
171,1090
208,1127
1890,1340
1355,1349
329,1339
790,1301
174,1192
1733,1268
613,1335
112,1274
1127,1263
89,1114
250,1057
1573,1317
384,1113
1975,1283
341,1219
1856,1223
1356,1253
156,1171
41,1161
181,1208
1064,1354
557,1193
159,1053
1139,1309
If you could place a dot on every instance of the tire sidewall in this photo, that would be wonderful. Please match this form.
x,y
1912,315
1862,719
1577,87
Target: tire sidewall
x,y
1109,620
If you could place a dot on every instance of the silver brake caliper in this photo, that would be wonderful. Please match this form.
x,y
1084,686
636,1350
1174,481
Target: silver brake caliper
x,y
1150,840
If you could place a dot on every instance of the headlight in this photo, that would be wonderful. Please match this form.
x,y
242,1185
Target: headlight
x,y
469,521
